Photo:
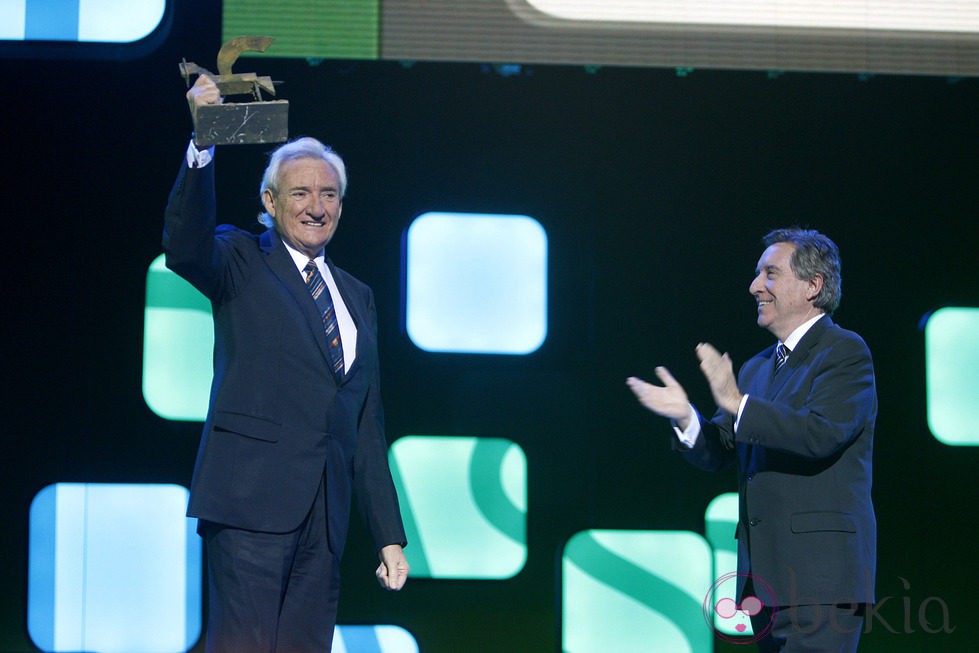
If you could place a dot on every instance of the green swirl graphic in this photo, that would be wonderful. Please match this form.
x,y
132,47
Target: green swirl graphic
x,y
637,583
487,490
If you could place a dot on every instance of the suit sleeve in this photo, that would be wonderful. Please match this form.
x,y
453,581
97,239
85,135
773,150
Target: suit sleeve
x,y
714,449
377,498
188,227
840,402
195,248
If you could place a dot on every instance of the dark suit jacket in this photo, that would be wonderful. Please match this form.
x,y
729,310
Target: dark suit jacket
x,y
278,421
803,449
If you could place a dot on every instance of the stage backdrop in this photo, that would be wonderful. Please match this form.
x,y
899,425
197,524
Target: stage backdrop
x,y
609,212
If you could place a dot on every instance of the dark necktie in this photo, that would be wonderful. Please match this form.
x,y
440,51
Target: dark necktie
x,y
781,355
321,294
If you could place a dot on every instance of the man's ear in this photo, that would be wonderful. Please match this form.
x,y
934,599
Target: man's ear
x,y
268,201
815,287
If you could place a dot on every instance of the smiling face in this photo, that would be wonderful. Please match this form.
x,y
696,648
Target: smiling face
x,y
306,205
783,300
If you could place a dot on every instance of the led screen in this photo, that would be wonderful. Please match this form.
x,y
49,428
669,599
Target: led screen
x,y
866,36
94,21
623,590
951,359
459,495
476,283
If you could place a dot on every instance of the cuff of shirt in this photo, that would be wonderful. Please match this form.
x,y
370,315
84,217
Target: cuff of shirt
x,y
198,158
688,436
737,418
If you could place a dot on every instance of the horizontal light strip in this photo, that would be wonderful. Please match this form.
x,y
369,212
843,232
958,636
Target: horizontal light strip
x,y
876,15
103,21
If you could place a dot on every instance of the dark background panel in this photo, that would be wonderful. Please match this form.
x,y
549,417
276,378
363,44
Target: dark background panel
x,y
654,189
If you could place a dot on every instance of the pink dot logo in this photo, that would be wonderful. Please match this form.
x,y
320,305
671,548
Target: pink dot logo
x,y
727,608
730,620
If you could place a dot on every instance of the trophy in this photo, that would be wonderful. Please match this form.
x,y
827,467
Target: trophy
x,y
234,123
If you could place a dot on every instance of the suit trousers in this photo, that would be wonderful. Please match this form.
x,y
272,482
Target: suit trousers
x,y
810,628
272,592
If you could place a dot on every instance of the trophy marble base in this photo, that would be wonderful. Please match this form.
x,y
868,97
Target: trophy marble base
x,y
241,123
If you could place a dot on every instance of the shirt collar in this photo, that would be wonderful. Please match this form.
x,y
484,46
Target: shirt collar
x,y
301,259
800,331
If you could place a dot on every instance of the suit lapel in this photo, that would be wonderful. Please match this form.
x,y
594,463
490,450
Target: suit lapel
x,y
284,268
759,383
767,385
780,378
799,357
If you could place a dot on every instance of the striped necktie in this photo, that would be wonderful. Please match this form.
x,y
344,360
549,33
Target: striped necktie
x,y
321,294
781,355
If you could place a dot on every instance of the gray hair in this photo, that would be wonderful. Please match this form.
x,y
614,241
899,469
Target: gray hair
x,y
815,255
301,148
